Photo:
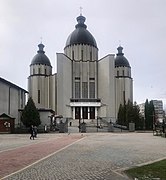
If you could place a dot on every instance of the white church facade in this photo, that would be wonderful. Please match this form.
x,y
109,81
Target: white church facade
x,y
84,87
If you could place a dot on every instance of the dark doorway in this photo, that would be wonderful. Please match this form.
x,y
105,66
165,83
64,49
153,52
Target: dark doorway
x,y
85,112
92,112
77,113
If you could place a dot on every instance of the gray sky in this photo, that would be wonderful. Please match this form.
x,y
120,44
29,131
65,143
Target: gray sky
x,y
139,25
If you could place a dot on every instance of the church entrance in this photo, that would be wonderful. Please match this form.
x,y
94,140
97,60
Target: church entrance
x,y
92,112
84,112
77,113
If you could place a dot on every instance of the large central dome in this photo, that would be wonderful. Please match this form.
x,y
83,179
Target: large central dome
x,y
81,35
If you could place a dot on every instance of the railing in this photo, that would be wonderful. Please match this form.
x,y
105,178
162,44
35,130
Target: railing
x,y
85,100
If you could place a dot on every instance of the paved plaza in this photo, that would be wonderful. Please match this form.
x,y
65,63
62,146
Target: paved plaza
x,y
76,156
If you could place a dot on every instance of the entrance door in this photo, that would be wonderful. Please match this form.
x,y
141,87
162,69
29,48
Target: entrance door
x,y
92,112
77,113
85,112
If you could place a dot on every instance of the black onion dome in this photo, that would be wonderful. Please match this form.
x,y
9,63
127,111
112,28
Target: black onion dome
x,y
120,60
40,57
81,35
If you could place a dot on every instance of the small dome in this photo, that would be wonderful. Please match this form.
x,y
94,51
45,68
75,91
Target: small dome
x,y
81,35
120,60
41,58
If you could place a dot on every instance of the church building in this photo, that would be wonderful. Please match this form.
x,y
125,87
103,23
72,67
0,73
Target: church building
x,y
84,86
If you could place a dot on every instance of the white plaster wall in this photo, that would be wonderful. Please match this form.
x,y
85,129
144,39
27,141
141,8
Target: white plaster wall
x,y
64,85
85,67
11,100
44,117
106,85
40,79
123,84
52,93
42,83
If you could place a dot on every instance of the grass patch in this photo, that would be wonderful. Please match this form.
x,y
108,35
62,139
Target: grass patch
x,y
156,171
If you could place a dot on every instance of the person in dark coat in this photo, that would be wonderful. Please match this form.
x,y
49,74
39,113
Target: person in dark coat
x,y
35,131
32,132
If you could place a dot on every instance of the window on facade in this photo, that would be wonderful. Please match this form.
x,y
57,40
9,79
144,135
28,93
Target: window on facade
x,y
45,71
39,71
77,89
92,89
72,54
91,56
22,99
77,78
117,73
128,73
82,54
123,72
33,70
39,96
84,90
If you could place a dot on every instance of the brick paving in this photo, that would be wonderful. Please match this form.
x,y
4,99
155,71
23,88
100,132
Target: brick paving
x,y
96,156
12,160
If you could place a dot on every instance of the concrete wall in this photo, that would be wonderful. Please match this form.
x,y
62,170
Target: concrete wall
x,y
12,98
106,86
64,85
123,86
41,79
44,117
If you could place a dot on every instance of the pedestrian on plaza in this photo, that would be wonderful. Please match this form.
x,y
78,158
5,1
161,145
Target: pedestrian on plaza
x,y
32,132
35,131
45,128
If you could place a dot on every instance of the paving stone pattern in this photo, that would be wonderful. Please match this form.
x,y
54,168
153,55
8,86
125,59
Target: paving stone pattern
x,y
100,156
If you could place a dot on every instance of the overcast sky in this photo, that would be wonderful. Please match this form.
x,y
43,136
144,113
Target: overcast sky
x,y
139,26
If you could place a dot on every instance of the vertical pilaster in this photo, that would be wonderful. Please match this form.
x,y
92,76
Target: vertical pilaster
x,y
96,113
81,113
73,112
89,113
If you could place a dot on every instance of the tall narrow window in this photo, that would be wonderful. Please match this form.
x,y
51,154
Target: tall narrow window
x,y
117,73
84,90
72,54
21,98
45,71
33,70
128,73
77,89
92,89
39,96
123,72
39,71
91,56
82,54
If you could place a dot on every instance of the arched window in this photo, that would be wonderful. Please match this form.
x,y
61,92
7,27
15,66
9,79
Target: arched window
x,y
91,56
123,73
82,53
73,55
117,73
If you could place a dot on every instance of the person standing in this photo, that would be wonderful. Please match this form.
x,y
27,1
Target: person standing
x,y
35,131
32,132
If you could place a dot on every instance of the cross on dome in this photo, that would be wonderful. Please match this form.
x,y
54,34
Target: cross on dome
x,y
81,10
